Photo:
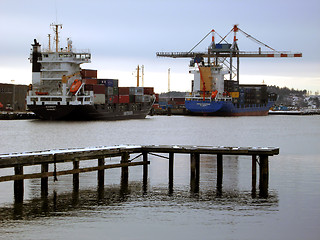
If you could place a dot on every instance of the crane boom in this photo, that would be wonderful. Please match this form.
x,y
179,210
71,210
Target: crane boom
x,y
245,54
220,52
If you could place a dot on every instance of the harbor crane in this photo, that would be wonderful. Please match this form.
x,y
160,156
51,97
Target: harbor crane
x,y
222,51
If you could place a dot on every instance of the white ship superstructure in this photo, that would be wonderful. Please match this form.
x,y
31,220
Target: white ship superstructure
x,y
61,90
54,72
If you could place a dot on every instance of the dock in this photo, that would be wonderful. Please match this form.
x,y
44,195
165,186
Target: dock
x,y
139,156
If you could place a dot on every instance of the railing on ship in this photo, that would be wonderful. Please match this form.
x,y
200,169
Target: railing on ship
x,y
198,97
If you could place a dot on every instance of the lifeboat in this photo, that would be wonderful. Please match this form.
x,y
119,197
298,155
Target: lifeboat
x,y
75,86
214,94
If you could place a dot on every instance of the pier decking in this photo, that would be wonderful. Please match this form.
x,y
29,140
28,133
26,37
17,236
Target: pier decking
x,y
75,155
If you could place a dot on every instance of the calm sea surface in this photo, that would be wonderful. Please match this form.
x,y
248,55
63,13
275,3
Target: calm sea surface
x,y
292,210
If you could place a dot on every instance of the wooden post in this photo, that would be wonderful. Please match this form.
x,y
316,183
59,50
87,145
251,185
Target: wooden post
x,y
171,163
197,159
18,184
76,175
145,171
192,166
219,174
254,175
194,174
44,180
125,169
264,176
100,172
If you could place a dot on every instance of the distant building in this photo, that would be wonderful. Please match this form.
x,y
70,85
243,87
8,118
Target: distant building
x,y
13,97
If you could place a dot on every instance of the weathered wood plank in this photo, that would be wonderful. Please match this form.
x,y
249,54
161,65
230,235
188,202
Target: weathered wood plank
x,y
68,155
72,171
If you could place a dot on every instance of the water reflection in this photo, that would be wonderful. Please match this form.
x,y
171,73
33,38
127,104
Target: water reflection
x,y
74,203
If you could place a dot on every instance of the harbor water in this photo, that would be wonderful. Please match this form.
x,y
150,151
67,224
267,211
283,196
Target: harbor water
x,y
133,211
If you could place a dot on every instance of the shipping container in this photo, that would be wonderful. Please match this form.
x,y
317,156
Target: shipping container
x,y
99,89
146,98
115,83
124,99
156,106
131,98
224,46
157,97
142,98
115,99
109,91
89,73
148,90
90,81
234,94
109,99
88,87
99,99
139,99
136,91
109,82
123,90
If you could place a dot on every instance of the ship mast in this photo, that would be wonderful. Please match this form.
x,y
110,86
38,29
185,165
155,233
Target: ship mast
x,y
56,31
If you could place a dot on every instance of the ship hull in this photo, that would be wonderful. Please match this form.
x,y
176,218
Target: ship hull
x,y
90,112
226,108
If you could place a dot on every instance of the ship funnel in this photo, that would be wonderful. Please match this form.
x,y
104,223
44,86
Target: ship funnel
x,y
36,66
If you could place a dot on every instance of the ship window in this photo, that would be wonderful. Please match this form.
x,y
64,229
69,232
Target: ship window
x,y
44,99
34,99
56,99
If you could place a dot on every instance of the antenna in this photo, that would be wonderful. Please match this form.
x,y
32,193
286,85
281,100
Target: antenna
x,y
142,76
56,31
138,76
49,36
169,80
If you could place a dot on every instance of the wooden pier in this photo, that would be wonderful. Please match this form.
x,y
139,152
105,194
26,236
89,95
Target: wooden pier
x,y
19,160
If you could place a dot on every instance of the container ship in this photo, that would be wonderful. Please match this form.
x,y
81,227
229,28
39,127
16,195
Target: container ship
x,y
61,90
215,88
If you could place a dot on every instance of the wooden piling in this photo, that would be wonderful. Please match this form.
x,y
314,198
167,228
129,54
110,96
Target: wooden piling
x,y
124,169
219,169
18,184
76,175
254,175
100,172
219,175
264,176
44,180
171,164
192,166
145,171
195,172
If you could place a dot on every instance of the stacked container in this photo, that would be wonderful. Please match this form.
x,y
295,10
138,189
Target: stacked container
x,y
253,94
89,73
107,91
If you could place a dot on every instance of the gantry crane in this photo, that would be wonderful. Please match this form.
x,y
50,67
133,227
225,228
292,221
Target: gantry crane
x,y
223,50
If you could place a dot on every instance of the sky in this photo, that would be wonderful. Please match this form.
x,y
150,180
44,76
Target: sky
x,y
123,34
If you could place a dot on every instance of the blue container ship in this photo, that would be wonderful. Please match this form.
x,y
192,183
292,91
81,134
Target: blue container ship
x,y
215,88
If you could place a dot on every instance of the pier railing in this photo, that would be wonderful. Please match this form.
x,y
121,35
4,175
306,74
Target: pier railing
x,y
19,160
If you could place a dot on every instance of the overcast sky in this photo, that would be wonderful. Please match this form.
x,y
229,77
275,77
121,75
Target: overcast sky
x,y
122,34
